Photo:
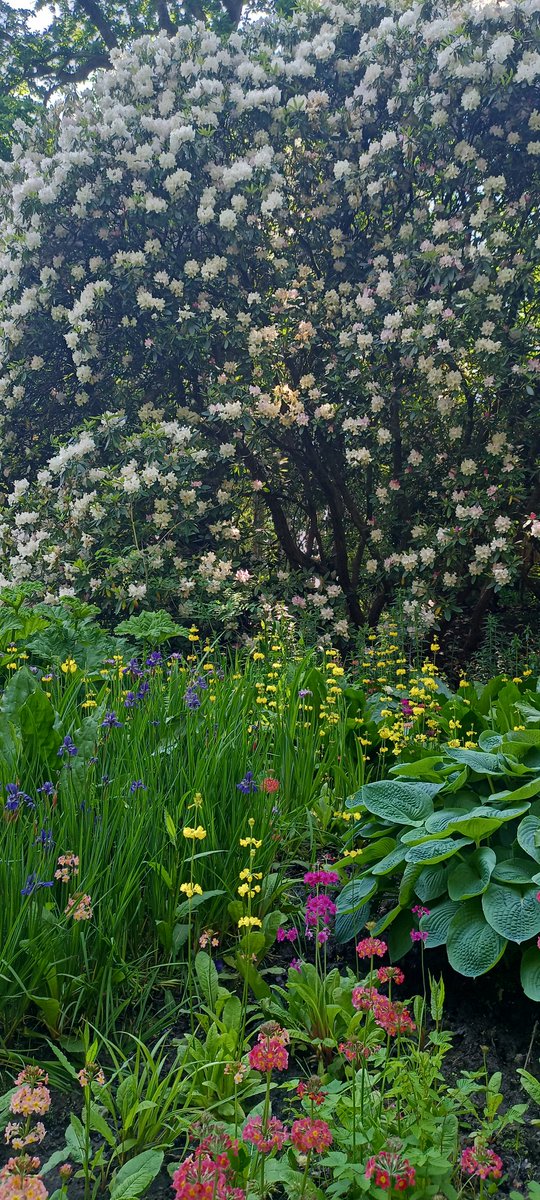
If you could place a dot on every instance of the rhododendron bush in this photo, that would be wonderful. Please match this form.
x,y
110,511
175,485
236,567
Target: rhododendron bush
x,y
269,317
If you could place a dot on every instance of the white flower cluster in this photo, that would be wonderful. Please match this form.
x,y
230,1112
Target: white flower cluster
x,y
305,253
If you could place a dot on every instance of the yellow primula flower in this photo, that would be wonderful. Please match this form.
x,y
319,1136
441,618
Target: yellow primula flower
x,y
194,834
191,889
249,922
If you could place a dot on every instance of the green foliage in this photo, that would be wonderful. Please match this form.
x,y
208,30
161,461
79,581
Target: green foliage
x,y
469,846
151,628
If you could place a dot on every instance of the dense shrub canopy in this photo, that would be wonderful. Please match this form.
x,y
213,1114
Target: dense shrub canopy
x,y
288,280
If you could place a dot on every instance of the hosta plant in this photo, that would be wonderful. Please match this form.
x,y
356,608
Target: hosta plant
x,y
459,838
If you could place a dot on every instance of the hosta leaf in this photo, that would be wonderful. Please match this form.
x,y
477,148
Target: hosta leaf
x,y
513,911
514,870
389,862
528,836
431,884
473,947
398,937
489,740
471,877
377,851
402,803
480,822
355,893
424,769
438,922
525,792
386,920
348,924
442,821
530,737
408,880
477,760
530,978
435,851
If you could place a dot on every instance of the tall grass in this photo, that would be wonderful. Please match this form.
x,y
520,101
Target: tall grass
x,y
121,803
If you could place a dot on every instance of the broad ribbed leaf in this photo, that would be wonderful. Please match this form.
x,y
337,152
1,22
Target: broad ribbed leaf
x,y
479,823
356,893
528,836
525,792
513,911
477,760
403,803
473,947
389,862
437,923
530,974
435,851
471,877
489,740
431,884
514,870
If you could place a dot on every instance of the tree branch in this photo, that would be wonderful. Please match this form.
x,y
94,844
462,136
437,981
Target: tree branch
x,y
95,15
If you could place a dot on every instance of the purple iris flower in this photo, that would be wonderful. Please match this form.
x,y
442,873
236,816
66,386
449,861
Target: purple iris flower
x,y
14,797
47,788
130,700
68,747
133,668
153,659
33,883
247,784
111,721
191,698
143,690
45,839
137,785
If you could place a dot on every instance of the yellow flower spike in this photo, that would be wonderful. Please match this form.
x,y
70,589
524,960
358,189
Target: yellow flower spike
x,y
257,656
191,889
249,922
194,834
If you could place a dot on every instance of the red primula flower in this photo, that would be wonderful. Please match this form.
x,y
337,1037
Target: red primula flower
x,y
308,1134
389,1169
371,948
